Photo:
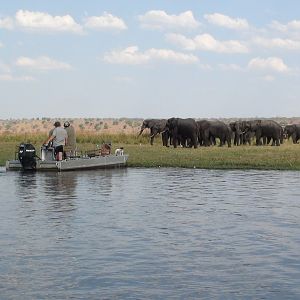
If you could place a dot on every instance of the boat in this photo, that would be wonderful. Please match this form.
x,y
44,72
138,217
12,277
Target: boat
x,y
26,159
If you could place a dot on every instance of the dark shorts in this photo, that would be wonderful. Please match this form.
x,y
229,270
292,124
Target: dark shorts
x,y
58,149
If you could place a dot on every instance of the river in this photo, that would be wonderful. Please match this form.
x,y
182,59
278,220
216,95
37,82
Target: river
x,y
150,234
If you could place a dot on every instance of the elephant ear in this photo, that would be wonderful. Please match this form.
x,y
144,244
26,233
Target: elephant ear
x,y
170,123
151,123
145,123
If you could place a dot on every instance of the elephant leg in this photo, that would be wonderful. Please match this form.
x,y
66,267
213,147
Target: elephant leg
x,y
228,141
274,142
175,141
194,141
200,140
153,134
212,140
165,138
151,140
206,138
221,141
247,139
264,140
236,141
241,139
258,142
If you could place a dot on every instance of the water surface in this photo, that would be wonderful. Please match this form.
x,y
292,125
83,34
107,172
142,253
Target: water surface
x,y
150,234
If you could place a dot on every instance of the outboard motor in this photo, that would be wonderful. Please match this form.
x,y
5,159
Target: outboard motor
x,y
27,156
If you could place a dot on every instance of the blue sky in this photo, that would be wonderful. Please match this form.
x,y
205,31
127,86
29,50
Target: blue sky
x,y
149,58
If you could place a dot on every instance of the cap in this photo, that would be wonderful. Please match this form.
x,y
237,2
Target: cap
x,y
66,124
56,124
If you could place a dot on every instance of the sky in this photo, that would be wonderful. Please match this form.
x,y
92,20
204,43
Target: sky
x,y
149,59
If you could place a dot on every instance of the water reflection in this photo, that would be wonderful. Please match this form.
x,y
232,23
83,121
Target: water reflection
x,y
59,186
26,185
59,196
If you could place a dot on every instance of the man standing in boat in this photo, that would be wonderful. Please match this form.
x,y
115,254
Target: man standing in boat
x,y
59,138
70,148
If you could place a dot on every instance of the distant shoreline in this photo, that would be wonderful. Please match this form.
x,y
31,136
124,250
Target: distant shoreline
x,y
98,125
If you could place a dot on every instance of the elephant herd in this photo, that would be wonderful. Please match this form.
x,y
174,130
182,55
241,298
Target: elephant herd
x,y
191,133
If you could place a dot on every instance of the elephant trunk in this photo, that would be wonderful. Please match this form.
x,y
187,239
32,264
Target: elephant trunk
x,y
142,129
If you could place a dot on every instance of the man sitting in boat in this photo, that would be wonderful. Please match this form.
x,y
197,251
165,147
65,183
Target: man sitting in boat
x,y
70,148
59,138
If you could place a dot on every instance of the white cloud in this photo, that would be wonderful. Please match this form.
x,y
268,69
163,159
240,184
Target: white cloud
x,y
42,63
170,55
292,25
133,56
39,21
9,77
7,23
130,56
266,64
1,45
159,19
182,41
226,21
207,42
230,67
287,44
106,21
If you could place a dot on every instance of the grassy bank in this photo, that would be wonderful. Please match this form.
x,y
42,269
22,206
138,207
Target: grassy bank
x,y
285,157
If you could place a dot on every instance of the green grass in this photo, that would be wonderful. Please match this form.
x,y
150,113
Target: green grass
x,y
285,157
141,154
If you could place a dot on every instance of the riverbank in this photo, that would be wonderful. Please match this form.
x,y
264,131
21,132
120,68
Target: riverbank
x,y
141,154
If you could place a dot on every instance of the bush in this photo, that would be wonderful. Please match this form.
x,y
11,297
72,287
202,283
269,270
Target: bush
x,y
97,127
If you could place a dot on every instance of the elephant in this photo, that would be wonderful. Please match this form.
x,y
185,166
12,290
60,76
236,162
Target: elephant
x,y
208,131
266,130
183,130
242,135
156,126
247,137
201,126
238,129
292,130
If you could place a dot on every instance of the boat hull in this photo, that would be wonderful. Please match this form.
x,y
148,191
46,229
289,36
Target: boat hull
x,y
82,163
